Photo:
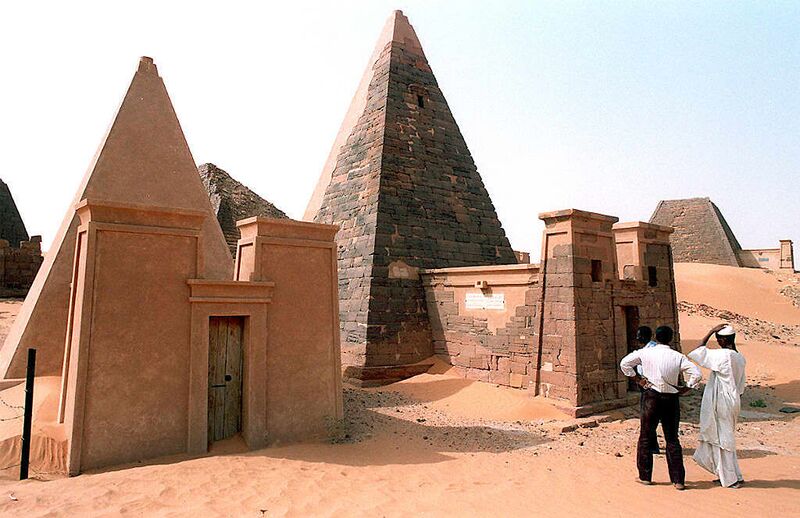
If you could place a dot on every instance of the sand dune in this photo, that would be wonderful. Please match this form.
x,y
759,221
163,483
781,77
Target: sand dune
x,y
466,398
747,291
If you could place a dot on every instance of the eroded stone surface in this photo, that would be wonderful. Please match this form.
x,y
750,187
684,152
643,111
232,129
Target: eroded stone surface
x,y
233,201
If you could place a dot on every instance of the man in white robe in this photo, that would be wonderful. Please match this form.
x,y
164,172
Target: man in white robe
x,y
719,410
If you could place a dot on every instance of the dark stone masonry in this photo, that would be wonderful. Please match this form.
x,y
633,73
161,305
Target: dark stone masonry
x,y
701,233
20,256
407,196
233,201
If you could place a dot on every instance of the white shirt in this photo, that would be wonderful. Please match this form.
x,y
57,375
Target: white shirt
x,y
662,366
651,343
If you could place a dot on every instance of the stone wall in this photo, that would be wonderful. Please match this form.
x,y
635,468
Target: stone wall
x,y
559,328
781,258
787,255
767,258
18,266
487,332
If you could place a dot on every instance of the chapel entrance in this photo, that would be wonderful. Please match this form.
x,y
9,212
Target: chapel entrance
x,y
631,326
225,361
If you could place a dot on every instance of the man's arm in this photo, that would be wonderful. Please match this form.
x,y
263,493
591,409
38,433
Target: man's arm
x,y
713,330
699,356
629,362
690,372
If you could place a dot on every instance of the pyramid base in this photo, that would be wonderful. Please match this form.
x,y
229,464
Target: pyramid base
x,y
599,407
383,375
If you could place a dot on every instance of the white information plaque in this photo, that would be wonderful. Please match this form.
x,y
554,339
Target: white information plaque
x,y
481,301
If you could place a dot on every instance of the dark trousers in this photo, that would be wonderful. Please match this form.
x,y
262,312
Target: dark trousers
x,y
653,439
664,409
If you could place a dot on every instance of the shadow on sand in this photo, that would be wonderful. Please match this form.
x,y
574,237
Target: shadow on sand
x,y
742,454
374,438
755,484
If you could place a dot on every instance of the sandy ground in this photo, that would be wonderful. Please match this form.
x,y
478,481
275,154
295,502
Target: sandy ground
x,y
748,291
437,445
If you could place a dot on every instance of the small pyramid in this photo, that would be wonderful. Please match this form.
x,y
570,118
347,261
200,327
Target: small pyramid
x,y
701,233
12,229
233,201
401,184
143,159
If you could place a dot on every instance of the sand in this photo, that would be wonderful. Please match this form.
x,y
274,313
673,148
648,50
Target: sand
x,y
437,445
747,291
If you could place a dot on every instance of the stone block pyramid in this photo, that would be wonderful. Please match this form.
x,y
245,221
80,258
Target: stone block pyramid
x,y
701,233
402,185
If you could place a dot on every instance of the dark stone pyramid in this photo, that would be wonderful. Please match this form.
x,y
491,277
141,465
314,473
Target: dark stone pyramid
x,y
701,233
233,201
12,229
402,185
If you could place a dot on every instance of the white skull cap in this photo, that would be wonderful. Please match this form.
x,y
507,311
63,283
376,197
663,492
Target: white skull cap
x,y
726,331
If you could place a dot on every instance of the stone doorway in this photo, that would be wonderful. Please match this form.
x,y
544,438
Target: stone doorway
x,y
225,373
631,326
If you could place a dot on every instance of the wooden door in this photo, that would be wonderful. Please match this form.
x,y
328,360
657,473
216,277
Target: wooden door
x,y
225,361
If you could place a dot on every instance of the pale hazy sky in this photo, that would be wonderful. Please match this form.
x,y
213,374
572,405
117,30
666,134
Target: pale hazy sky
x,y
604,106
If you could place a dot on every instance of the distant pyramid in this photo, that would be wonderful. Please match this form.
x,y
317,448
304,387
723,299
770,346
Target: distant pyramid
x,y
143,159
701,233
232,201
402,185
12,229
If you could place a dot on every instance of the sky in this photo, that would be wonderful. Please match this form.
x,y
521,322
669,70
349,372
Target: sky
x,y
608,106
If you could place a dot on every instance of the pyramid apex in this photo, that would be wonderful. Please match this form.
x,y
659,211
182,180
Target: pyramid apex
x,y
398,29
146,65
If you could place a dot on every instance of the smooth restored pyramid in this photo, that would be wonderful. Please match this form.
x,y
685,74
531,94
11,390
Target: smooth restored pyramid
x,y
402,185
233,201
143,159
12,229
701,233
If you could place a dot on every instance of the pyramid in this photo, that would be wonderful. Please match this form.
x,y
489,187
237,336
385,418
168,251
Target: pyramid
x,y
401,184
143,159
233,201
12,229
701,233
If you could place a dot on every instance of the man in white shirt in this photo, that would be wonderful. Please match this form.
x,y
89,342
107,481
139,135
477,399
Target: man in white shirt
x,y
719,411
661,370
644,335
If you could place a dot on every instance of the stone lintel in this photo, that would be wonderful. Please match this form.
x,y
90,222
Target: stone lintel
x,y
138,214
565,214
644,226
285,228
206,290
